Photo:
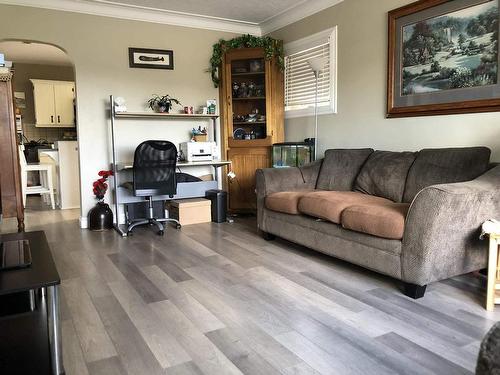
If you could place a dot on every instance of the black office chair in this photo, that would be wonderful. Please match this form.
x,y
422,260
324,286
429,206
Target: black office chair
x,y
153,175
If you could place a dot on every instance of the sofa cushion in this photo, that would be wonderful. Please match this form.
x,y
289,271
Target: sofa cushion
x,y
445,165
329,205
285,201
340,168
384,174
384,220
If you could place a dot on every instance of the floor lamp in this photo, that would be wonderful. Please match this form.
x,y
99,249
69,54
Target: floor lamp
x,y
317,64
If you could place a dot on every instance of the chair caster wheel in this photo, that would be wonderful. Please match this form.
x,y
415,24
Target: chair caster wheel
x,y
178,226
161,233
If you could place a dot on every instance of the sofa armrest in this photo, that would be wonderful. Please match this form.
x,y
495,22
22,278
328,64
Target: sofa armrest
x,y
273,180
441,237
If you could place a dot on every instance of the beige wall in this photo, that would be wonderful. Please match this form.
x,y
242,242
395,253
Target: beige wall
x,y
23,74
362,59
98,46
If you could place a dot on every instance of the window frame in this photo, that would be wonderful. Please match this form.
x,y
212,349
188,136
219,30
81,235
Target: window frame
x,y
311,41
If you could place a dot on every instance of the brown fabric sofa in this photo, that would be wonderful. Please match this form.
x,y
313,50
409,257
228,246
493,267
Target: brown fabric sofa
x,y
414,216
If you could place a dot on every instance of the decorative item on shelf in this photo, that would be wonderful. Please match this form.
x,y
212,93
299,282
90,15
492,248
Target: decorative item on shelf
x,y
204,110
251,89
260,91
188,110
252,117
212,106
256,66
239,118
199,135
239,133
272,48
261,118
242,91
120,104
151,58
100,217
162,104
236,87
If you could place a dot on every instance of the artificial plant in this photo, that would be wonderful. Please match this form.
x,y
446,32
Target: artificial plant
x,y
272,48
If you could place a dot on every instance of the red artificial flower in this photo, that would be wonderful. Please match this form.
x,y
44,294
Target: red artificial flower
x,y
99,187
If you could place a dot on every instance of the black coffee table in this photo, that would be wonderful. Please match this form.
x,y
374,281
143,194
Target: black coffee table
x,y
30,342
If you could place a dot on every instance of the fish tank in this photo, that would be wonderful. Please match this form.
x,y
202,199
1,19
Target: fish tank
x,y
292,154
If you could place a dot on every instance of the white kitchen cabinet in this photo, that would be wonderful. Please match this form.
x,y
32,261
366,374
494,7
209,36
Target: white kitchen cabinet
x,y
54,103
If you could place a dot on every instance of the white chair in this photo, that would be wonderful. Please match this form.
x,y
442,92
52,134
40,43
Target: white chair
x,y
46,185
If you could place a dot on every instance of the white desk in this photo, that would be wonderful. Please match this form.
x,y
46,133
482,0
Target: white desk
x,y
181,164
184,190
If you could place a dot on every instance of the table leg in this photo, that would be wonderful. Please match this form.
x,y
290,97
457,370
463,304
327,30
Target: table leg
x,y
54,330
492,274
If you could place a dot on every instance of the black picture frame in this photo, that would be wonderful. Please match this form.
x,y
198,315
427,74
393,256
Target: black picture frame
x,y
167,55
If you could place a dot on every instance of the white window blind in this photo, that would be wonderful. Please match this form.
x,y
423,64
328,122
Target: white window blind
x,y
300,82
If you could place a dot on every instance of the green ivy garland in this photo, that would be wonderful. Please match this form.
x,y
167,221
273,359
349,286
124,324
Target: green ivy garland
x,y
272,48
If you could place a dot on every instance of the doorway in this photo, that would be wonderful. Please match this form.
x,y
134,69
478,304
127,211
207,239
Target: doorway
x,y
46,123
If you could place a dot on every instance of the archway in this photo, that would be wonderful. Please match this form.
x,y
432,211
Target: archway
x,y
44,85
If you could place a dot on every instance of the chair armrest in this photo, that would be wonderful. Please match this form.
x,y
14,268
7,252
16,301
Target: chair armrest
x,y
441,237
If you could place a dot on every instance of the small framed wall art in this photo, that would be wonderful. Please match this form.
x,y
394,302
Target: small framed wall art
x,y
443,58
150,58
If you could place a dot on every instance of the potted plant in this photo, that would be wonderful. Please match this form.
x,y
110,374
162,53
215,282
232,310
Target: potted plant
x,y
162,104
100,216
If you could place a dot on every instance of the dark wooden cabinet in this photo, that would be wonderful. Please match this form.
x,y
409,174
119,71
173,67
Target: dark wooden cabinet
x,y
252,118
11,195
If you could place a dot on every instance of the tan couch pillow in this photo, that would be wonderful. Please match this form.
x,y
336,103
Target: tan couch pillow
x,y
381,220
285,201
329,205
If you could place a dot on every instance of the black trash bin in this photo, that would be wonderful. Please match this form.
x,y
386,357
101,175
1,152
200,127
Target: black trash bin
x,y
219,204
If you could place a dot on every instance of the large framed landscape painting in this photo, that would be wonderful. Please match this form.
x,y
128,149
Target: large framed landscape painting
x,y
443,58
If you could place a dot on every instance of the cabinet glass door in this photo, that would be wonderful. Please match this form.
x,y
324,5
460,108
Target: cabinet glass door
x,y
248,79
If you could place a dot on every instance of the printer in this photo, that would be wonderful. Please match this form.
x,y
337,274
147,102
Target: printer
x,y
198,151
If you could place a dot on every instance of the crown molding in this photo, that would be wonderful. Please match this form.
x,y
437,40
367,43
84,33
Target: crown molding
x,y
108,8
305,9
139,13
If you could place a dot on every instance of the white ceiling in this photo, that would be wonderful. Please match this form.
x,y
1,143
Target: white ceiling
x,y
33,53
251,11
257,17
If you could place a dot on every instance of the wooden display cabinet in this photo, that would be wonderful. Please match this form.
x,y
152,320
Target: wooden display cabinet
x,y
252,118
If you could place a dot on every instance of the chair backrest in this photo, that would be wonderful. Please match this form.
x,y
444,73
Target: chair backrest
x,y
154,168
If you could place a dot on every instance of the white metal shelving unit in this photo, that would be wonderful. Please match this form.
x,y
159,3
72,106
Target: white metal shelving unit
x,y
184,190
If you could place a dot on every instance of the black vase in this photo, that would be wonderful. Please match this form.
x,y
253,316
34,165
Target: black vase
x,y
100,217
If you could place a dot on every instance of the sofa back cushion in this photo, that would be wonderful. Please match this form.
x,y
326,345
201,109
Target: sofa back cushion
x,y
384,174
340,168
445,165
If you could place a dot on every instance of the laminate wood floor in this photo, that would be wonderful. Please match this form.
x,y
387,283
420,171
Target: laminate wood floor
x,y
217,299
